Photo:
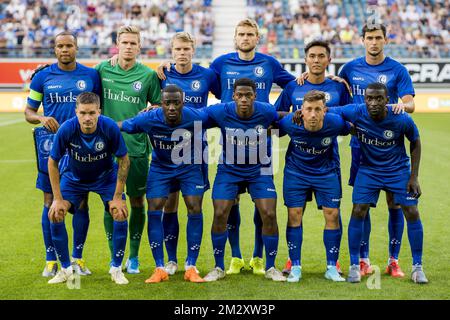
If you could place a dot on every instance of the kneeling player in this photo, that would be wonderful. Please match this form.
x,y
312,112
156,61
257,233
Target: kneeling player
x,y
171,131
91,140
311,166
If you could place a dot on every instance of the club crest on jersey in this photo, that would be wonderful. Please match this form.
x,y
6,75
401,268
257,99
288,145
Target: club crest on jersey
x,y
46,146
388,134
187,135
259,71
195,85
327,97
137,86
81,85
259,129
326,141
99,146
382,78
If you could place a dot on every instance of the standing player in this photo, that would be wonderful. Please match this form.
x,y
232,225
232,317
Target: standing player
x,y
312,166
264,70
317,59
243,124
91,140
359,73
196,82
171,129
384,165
127,87
56,87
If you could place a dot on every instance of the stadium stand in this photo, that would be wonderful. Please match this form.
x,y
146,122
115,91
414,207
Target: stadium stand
x,y
417,29
27,27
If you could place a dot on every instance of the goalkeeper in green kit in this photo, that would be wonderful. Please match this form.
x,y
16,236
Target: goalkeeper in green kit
x,y
127,87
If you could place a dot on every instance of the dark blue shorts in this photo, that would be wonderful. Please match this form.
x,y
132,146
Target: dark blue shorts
x,y
297,188
369,183
76,191
43,179
227,186
189,179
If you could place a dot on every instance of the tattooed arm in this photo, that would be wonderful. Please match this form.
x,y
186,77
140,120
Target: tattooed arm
x,y
117,206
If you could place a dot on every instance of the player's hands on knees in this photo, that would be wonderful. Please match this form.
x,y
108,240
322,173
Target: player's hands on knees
x,y
118,209
114,60
160,69
49,123
301,80
413,187
58,210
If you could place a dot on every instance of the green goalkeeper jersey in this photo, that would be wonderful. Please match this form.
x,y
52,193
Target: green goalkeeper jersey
x,y
124,94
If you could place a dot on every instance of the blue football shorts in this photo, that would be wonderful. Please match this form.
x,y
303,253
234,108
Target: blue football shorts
x,y
228,185
189,179
368,184
297,189
76,191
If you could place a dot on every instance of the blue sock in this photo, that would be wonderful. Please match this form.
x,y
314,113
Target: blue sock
x,y
395,225
156,236
332,242
271,244
50,254
415,237
355,231
364,246
61,242
233,224
218,241
194,232
259,244
341,228
120,233
171,232
294,238
80,224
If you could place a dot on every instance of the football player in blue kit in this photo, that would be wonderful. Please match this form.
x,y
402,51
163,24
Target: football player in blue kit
x,y
384,165
172,130
317,59
91,141
56,87
375,66
243,124
196,83
312,166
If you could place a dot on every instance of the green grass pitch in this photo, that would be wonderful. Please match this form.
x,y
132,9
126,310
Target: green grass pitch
x,y
22,250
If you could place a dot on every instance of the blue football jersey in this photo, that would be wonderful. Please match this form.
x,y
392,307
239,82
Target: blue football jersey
x,y
336,94
359,74
91,156
382,143
170,142
57,90
263,69
312,152
244,141
196,85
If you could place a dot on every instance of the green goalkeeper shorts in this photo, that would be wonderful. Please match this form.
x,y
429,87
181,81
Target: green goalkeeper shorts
x,y
137,176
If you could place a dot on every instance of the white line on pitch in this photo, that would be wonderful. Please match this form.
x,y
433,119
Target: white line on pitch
x,y
7,123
